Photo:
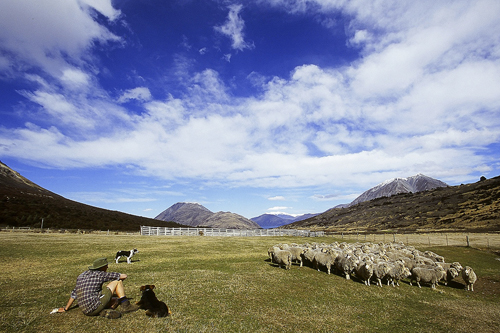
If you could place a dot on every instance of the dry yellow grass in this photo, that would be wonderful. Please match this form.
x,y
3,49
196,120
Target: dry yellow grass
x,y
217,284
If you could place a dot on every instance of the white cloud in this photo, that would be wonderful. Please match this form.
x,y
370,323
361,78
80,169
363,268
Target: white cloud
x,y
423,98
277,198
38,34
278,208
233,28
139,93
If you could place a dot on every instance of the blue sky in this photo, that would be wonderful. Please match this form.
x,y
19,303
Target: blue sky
x,y
252,107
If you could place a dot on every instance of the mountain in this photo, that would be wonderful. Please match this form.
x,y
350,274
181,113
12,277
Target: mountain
x,y
24,204
191,214
268,221
395,186
195,215
276,220
470,207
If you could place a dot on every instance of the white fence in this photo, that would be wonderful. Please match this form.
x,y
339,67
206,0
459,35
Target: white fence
x,y
162,231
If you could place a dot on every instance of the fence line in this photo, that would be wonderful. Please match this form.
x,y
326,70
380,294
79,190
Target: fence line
x,y
475,240
163,231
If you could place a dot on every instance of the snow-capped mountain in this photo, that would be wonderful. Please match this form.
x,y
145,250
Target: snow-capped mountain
x,y
394,186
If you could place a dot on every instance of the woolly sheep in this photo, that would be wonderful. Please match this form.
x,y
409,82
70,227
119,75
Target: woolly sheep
x,y
364,271
308,255
296,252
425,275
380,270
282,257
345,263
397,272
324,259
457,267
469,277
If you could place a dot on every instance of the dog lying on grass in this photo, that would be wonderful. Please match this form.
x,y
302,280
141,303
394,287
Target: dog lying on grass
x,y
149,302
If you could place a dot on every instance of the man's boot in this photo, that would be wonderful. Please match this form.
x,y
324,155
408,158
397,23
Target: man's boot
x,y
126,306
110,314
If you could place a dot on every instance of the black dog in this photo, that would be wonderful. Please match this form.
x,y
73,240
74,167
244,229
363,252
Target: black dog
x,y
128,254
151,304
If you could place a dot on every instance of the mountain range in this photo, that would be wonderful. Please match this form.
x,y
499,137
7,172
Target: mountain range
x,y
276,220
387,188
195,215
403,204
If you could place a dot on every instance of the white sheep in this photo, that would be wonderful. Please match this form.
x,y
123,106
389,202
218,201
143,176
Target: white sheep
x,y
469,277
296,252
325,259
364,271
380,270
308,255
345,263
282,257
425,275
397,272
450,275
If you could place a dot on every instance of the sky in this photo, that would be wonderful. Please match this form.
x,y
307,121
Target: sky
x,y
252,107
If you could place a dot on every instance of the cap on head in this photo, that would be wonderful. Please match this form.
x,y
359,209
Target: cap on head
x,y
98,263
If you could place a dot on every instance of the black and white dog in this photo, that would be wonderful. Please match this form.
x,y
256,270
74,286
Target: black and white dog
x,y
128,254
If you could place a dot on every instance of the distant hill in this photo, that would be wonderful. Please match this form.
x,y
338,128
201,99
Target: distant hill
x,y
276,220
195,215
24,204
470,207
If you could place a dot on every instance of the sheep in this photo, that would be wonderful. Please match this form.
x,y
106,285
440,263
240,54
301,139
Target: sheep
x,y
308,255
380,270
397,272
433,256
426,275
451,275
325,259
282,257
346,263
364,271
469,277
296,252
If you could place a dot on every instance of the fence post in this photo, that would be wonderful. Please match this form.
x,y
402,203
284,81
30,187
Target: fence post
x,y
446,239
467,239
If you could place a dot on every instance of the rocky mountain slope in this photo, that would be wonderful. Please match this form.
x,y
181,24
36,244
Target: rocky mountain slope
x,y
195,215
472,207
24,204
414,184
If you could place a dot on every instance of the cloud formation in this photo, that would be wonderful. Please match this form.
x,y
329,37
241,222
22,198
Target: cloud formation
x,y
410,104
233,28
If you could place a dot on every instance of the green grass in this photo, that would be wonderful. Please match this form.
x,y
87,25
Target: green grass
x,y
227,284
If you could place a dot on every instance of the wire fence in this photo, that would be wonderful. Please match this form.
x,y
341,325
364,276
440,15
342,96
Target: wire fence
x,y
476,240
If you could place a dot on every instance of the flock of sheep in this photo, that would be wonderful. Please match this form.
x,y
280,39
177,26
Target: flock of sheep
x,y
390,262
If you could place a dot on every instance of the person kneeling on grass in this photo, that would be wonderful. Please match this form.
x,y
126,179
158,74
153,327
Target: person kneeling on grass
x,y
93,300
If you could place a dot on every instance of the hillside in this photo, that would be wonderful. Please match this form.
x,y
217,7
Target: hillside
x,y
472,207
195,215
24,204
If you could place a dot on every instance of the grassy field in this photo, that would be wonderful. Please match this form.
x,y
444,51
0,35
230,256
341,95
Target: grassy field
x,y
227,284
